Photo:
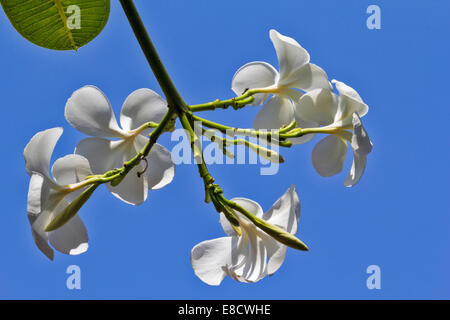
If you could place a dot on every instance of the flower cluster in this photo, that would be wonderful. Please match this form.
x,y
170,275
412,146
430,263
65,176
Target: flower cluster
x,y
89,111
301,91
253,254
298,101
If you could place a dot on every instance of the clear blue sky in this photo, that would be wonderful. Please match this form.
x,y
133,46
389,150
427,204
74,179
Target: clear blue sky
x,y
397,217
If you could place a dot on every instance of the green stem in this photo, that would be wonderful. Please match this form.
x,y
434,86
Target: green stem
x,y
276,232
237,103
232,131
283,133
170,91
263,152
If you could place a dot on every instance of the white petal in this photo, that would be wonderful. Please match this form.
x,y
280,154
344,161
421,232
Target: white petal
x,y
254,267
291,56
360,139
276,252
70,169
34,199
345,90
349,103
254,75
208,259
295,96
285,212
89,111
38,151
276,259
357,170
161,169
133,189
317,106
308,77
226,225
103,155
142,106
42,244
274,114
37,200
53,204
251,206
328,155
71,238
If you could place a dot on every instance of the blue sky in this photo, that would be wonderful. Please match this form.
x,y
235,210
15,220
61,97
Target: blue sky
x,y
397,217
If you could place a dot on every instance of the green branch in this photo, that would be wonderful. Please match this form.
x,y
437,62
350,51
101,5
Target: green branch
x,y
170,91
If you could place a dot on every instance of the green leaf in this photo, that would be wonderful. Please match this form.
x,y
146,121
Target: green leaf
x,y
58,24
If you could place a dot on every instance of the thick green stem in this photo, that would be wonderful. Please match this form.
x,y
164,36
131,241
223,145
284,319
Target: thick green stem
x,y
276,232
237,102
170,91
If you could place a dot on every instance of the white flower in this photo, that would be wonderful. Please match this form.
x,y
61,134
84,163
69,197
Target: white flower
x,y
254,254
48,196
338,114
295,72
89,111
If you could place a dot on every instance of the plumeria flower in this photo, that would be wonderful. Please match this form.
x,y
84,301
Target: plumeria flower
x,y
254,254
340,116
89,111
296,72
49,194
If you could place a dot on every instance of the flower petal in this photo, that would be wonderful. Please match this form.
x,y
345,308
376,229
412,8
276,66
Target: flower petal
x,y
105,155
357,170
142,106
254,75
34,199
360,139
102,154
132,189
71,238
308,77
53,203
89,111
251,206
295,96
226,225
349,103
38,151
209,258
70,169
285,212
251,266
361,146
328,155
37,199
42,244
274,114
291,55
161,169
276,252
318,106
